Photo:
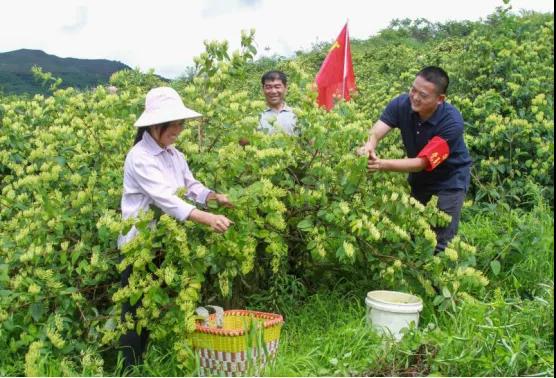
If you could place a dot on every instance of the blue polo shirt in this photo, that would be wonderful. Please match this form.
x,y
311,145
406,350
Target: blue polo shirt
x,y
446,123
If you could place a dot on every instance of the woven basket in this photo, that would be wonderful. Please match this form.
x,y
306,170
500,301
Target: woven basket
x,y
233,349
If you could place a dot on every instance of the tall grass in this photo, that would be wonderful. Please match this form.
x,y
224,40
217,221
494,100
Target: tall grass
x,y
521,242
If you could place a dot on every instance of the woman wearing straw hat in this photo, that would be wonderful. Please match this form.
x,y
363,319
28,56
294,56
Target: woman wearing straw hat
x,y
154,170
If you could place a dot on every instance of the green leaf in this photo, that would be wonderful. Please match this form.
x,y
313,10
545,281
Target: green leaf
x,y
4,273
36,310
74,256
60,160
159,296
32,329
516,282
446,293
495,266
437,300
110,324
444,305
305,224
134,298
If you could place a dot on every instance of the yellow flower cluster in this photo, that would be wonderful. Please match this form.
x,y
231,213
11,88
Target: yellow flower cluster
x,y
32,359
55,338
452,254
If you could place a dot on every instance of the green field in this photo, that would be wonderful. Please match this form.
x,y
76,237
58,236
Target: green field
x,y
313,231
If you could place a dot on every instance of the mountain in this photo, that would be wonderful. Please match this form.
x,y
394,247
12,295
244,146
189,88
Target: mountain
x,y
16,76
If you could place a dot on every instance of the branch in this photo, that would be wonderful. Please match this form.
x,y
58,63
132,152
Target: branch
x,y
311,161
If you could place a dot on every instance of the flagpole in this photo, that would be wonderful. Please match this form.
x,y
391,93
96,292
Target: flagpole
x,y
345,61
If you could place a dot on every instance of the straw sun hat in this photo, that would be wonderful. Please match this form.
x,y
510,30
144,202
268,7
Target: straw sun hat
x,y
164,104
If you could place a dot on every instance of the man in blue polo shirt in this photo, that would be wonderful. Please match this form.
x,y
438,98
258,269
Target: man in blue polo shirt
x,y
438,161
278,116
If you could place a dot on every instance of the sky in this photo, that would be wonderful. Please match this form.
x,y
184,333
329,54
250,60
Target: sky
x,y
165,35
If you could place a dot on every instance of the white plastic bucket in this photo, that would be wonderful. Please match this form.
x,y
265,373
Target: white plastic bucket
x,y
390,311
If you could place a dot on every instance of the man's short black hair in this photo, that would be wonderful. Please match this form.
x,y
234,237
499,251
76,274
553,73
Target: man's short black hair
x,y
437,76
275,75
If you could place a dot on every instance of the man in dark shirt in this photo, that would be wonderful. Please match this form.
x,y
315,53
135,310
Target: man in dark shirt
x,y
438,161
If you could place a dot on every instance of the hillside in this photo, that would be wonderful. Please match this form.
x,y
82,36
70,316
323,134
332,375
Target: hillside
x,y
16,76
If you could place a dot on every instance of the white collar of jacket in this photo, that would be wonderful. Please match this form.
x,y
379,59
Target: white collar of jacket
x,y
152,146
286,108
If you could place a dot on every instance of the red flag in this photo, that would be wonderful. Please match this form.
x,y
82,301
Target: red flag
x,y
335,78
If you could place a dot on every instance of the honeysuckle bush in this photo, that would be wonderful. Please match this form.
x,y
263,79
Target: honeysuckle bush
x,y
502,81
508,101
309,197
302,205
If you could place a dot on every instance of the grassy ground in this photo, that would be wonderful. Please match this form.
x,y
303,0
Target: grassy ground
x,y
329,336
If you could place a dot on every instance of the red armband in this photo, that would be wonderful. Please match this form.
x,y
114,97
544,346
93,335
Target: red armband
x,y
436,151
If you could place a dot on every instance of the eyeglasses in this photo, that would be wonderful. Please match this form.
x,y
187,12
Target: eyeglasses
x,y
422,95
